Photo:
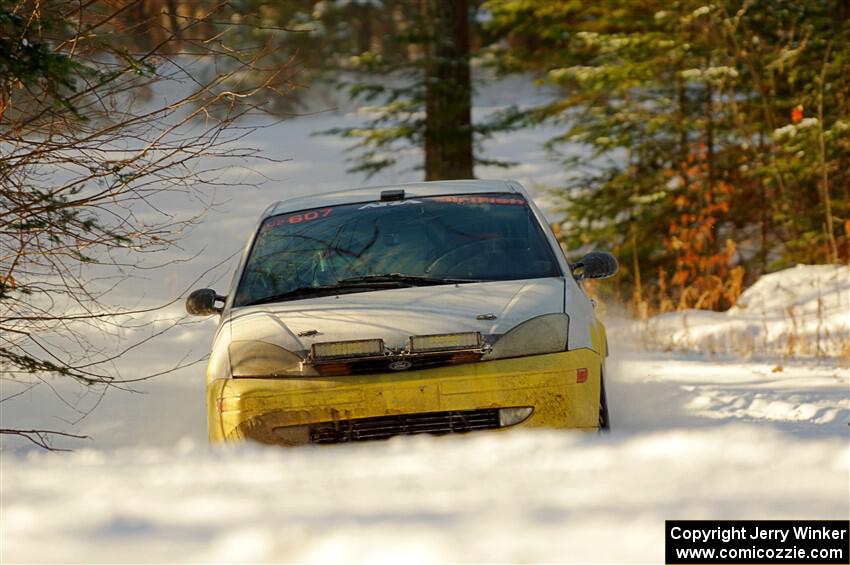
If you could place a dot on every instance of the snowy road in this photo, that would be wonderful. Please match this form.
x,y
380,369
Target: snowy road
x,y
694,439
655,391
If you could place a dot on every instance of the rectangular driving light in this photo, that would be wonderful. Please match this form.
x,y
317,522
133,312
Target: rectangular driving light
x,y
445,342
346,349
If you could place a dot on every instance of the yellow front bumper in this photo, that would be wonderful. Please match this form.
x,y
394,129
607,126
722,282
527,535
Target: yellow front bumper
x,y
256,408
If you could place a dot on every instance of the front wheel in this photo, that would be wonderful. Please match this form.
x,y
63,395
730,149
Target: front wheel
x,y
604,418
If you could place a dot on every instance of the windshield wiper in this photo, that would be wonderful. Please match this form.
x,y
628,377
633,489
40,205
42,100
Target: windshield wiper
x,y
324,290
357,284
412,280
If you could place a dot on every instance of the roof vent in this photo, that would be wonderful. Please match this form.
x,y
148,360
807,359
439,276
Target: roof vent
x,y
394,194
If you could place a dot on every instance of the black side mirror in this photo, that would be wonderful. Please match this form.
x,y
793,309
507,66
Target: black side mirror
x,y
595,265
202,302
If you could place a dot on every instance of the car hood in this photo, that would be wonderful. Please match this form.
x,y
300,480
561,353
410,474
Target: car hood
x,y
395,315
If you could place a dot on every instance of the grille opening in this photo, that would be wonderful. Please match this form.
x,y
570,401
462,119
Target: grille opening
x,y
374,365
385,427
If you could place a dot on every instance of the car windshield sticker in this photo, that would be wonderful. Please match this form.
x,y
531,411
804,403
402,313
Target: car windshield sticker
x,y
297,218
319,213
384,204
512,201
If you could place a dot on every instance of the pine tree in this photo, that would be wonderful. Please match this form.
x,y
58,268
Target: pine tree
x,y
405,62
418,81
702,139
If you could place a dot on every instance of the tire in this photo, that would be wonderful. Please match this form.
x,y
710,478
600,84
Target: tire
x,y
604,417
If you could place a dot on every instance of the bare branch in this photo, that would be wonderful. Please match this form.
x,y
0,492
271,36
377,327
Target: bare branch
x,y
42,438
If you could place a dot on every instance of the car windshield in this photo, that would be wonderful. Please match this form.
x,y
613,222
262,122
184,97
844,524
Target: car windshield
x,y
387,244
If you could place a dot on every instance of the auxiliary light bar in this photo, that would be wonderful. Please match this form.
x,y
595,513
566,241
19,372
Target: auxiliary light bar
x,y
444,342
346,349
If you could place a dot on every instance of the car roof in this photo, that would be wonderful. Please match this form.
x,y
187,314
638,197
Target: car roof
x,y
411,190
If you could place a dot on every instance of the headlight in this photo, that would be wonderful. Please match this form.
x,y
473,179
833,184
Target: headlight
x,y
250,358
543,334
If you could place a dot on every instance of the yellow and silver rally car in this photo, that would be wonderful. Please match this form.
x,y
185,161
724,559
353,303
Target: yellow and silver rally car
x,y
434,307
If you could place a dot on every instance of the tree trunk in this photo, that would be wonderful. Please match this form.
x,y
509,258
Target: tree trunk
x,y
364,27
176,29
448,90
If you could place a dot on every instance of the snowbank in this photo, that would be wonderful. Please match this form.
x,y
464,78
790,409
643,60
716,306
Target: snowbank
x,y
499,497
799,312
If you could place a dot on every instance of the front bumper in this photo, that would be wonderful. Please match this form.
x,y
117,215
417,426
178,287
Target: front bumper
x,y
267,410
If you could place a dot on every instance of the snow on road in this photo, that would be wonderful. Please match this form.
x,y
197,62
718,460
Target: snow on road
x,y
498,497
657,390
693,438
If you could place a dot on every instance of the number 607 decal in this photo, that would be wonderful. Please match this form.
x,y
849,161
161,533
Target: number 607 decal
x,y
299,218
308,216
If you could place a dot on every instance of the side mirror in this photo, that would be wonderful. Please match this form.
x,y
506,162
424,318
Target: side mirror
x,y
595,265
202,302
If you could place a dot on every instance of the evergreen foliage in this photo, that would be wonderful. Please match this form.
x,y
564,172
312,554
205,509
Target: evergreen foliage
x,y
714,136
